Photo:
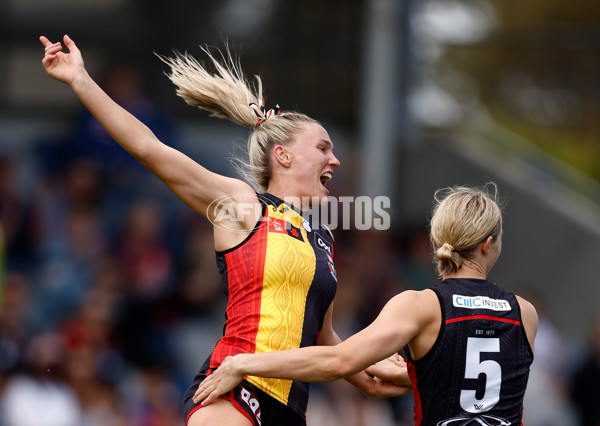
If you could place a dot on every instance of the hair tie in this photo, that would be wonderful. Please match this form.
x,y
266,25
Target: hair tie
x,y
262,113
448,246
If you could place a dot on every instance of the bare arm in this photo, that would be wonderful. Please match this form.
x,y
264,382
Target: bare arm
x,y
399,322
370,384
192,183
530,320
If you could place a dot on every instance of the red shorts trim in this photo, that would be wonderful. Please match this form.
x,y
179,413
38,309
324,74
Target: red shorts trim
x,y
243,400
231,398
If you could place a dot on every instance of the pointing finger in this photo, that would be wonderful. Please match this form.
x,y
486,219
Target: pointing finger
x,y
45,41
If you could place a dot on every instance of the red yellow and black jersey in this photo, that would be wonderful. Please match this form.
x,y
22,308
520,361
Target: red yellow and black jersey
x,y
279,283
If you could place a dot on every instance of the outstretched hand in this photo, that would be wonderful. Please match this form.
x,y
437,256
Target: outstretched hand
x,y
64,67
221,381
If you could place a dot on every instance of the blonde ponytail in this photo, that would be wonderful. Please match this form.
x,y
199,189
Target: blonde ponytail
x,y
227,94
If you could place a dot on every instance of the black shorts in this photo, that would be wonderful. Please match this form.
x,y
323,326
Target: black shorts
x,y
260,408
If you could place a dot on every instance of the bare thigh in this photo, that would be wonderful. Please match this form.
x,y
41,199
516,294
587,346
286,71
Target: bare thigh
x,y
219,413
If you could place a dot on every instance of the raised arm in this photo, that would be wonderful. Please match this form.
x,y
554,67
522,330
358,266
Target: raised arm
x,y
400,321
192,183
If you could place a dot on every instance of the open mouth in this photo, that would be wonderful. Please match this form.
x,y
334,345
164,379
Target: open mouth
x,y
326,177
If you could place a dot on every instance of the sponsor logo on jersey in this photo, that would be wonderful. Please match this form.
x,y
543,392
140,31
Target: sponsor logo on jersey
x,y
323,245
484,420
250,400
480,302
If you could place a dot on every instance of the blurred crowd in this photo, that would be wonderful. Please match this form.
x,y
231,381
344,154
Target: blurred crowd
x,y
110,298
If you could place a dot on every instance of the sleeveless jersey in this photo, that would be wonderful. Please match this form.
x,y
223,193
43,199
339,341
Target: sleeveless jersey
x,y
279,283
477,370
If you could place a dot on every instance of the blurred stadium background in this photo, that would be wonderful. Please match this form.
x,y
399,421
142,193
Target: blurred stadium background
x,y
109,295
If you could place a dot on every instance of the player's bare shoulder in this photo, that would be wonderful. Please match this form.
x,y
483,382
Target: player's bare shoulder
x,y
417,303
234,214
529,317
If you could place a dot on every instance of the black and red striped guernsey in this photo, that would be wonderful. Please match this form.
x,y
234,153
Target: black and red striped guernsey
x,y
279,282
477,370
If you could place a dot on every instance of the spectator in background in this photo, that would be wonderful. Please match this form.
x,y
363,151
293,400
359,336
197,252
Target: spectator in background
x,y
98,398
40,397
74,241
121,172
18,233
14,330
158,399
123,84
148,269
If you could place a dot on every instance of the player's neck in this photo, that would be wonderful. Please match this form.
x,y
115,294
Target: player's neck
x,y
468,269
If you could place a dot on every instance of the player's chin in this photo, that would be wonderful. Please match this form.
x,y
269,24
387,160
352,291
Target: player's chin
x,y
323,191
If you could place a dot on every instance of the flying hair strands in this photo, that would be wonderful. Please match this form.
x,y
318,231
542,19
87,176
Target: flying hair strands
x,y
226,93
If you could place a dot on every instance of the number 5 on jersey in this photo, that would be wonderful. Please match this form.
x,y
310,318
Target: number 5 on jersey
x,y
474,366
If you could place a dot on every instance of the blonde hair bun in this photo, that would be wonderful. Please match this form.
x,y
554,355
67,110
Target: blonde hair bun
x,y
462,218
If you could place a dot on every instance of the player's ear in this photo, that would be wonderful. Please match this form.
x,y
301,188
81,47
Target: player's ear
x,y
282,156
485,246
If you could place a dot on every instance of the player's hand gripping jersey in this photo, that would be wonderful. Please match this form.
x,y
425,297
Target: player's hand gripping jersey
x,y
280,282
477,370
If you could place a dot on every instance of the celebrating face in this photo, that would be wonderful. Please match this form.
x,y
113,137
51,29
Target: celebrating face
x,y
308,163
